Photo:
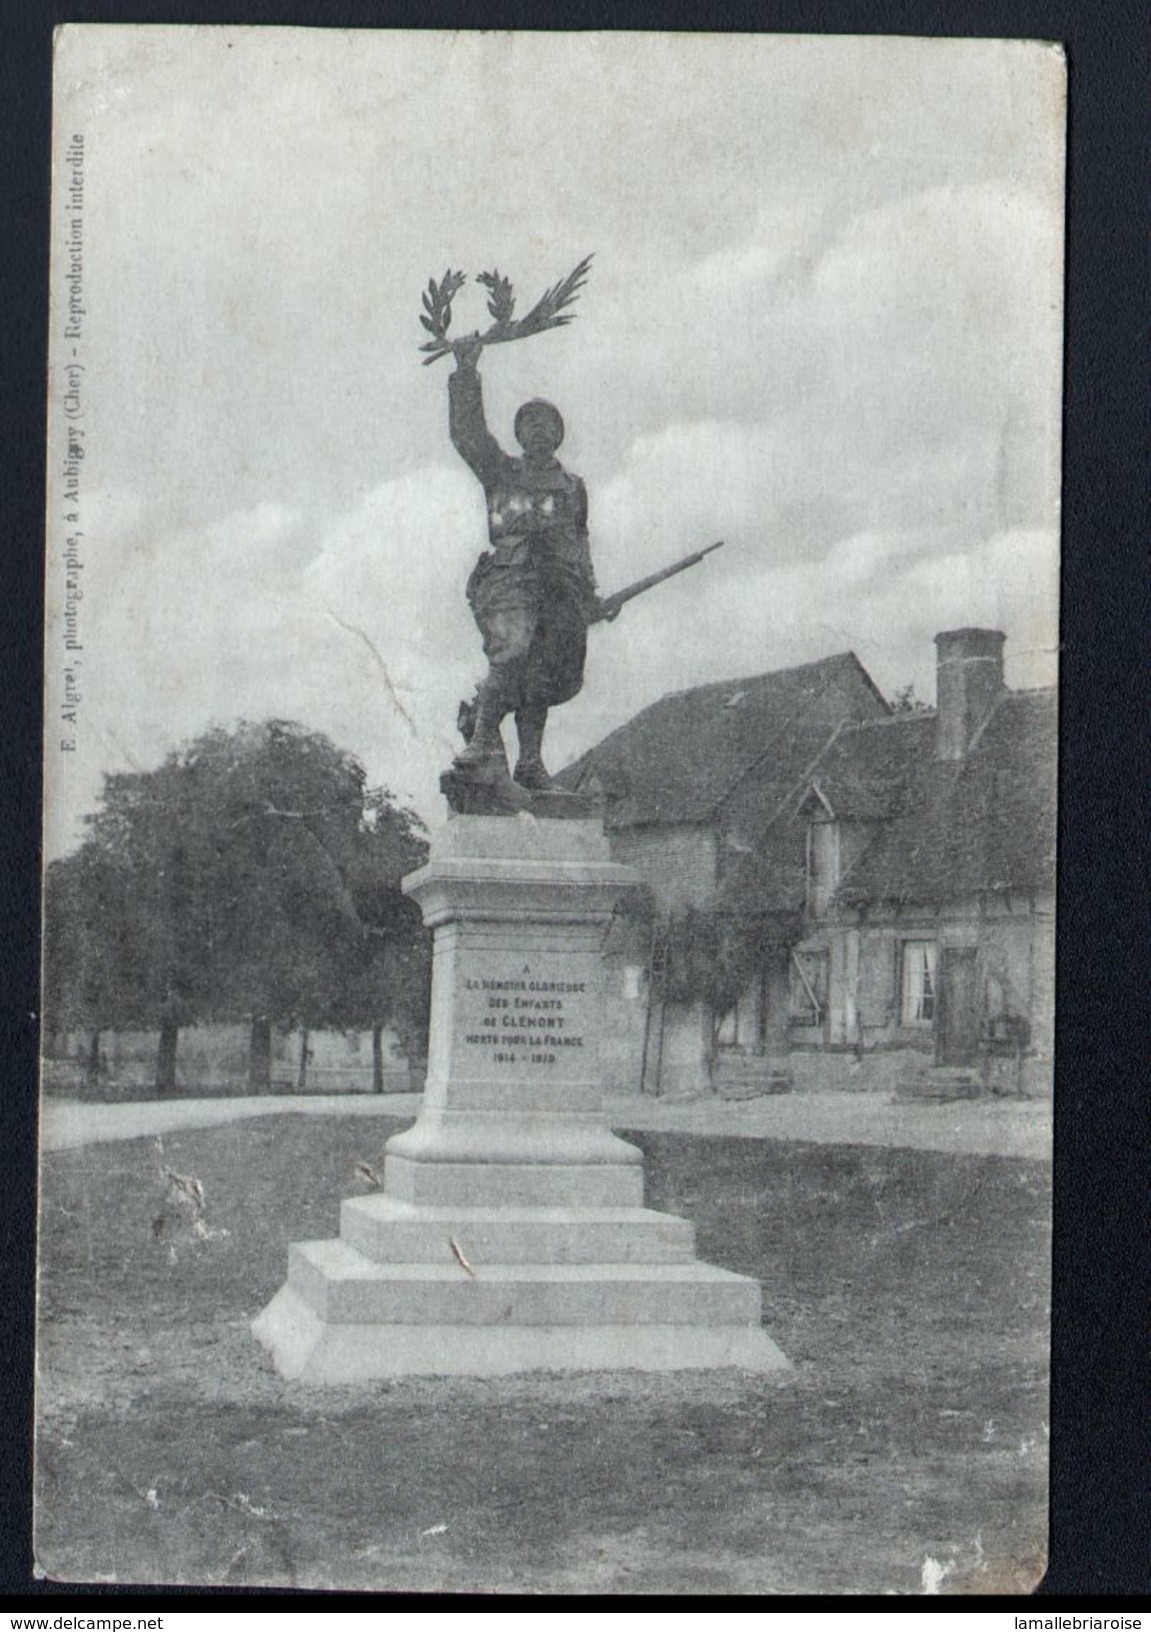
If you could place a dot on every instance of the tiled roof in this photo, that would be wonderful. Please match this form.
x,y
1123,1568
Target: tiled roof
x,y
742,755
861,774
680,759
984,823
772,880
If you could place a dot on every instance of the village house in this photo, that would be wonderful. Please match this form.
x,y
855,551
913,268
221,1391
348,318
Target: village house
x,y
840,894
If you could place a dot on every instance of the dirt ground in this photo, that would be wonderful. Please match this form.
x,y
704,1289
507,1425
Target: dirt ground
x,y
974,1127
905,1453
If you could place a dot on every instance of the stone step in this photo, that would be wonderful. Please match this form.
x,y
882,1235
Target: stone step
x,y
940,1086
343,1287
306,1348
740,1088
387,1230
513,1184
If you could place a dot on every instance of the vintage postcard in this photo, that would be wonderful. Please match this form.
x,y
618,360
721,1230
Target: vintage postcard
x,y
551,668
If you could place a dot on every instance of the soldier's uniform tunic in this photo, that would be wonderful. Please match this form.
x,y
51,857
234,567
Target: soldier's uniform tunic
x,y
533,593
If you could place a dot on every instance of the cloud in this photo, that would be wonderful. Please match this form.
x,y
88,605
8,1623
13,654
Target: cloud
x,y
367,636
390,577
823,324
370,640
897,368
860,232
883,596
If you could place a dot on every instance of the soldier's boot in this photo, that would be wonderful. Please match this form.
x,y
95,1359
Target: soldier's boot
x,y
485,744
530,771
466,718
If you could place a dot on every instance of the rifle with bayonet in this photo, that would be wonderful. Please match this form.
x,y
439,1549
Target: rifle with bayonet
x,y
610,605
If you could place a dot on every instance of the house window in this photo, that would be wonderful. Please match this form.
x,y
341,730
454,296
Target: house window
x,y
917,1001
809,981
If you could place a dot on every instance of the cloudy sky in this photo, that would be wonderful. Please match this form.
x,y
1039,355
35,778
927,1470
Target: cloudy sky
x,y
823,323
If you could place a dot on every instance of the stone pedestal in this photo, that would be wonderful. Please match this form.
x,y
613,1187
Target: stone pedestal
x,y
510,1234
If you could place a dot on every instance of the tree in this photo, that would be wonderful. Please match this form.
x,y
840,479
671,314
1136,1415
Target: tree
x,y
711,957
150,929
392,983
393,987
95,968
259,878
279,808
906,702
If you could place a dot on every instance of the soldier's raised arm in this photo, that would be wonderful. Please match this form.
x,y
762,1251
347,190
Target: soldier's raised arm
x,y
466,423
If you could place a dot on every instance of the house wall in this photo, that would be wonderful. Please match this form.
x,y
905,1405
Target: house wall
x,y
1013,937
759,1022
679,863
862,1044
649,1046
625,1020
682,1054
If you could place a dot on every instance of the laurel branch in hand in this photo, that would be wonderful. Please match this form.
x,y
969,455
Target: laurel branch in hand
x,y
437,300
502,303
549,312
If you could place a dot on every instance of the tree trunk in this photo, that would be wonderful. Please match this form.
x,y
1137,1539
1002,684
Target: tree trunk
x,y
714,1021
166,1057
260,1055
377,1059
92,1063
302,1075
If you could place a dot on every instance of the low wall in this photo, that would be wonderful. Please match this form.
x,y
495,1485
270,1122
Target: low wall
x,y
63,1079
213,1060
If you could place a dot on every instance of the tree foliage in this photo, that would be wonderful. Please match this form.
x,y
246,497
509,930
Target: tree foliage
x,y
711,956
251,875
905,701
96,967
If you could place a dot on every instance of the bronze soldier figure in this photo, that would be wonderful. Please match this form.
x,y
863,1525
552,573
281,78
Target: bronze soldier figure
x,y
533,593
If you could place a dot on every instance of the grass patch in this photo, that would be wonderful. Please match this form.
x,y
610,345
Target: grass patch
x,y
909,1288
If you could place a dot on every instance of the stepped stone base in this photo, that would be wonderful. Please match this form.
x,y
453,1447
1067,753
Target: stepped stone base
x,y
451,1311
511,1233
313,1350
451,1291
386,1230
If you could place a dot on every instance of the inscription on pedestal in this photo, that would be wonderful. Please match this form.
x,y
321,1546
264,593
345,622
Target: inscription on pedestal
x,y
525,1019
510,1170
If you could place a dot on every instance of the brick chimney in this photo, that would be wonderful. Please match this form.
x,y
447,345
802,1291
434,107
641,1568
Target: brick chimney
x,y
968,684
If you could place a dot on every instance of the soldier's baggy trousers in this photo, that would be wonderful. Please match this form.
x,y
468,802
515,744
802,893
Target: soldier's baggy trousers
x,y
534,630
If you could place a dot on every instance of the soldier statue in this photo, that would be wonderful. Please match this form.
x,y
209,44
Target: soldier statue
x,y
533,593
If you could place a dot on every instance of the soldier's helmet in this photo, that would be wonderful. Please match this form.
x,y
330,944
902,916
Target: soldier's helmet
x,y
538,408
